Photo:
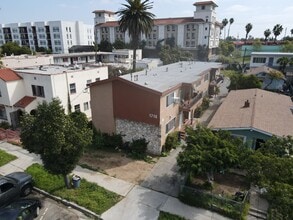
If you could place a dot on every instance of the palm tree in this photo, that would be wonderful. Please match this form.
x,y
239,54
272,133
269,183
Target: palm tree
x,y
231,21
277,30
283,61
224,24
135,19
291,32
248,28
267,33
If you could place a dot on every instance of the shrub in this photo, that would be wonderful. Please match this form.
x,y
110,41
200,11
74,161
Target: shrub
x,y
105,140
4,125
138,148
172,141
205,103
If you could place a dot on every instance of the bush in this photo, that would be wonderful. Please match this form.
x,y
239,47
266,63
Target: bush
x,y
4,125
138,148
104,140
172,141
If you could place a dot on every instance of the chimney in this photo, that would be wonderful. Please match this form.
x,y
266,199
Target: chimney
x,y
246,104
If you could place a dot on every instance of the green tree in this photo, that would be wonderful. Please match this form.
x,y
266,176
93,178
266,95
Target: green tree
x,y
256,45
135,18
274,75
105,46
283,62
119,44
267,33
287,47
240,81
248,28
172,55
58,138
231,21
278,146
226,48
277,30
224,24
207,152
13,48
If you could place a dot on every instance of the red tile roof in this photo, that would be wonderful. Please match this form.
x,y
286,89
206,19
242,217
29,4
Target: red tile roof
x,y
159,21
9,75
205,3
25,101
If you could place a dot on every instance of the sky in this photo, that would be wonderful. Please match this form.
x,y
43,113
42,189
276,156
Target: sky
x,y
262,14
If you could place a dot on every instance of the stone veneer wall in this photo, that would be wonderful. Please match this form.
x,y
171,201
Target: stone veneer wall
x,y
132,130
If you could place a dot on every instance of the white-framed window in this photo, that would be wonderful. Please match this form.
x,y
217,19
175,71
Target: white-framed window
x,y
72,88
55,29
169,99
170,125
86,106
77,108
38,91
259,60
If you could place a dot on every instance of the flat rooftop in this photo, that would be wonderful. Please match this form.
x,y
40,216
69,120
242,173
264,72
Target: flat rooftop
x,y
165,77
272,53
53,69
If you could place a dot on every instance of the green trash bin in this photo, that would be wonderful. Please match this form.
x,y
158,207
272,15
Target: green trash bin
x,y
76,181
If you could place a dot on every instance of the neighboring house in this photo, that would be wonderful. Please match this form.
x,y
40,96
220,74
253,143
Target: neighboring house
x,y
120,57
267,58
254,115
22,89
151,103
268,82
187,32
58,36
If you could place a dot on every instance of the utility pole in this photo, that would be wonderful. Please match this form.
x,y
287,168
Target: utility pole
x,y
243,59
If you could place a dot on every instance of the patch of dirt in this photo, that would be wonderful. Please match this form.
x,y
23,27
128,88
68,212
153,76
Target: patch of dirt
x,y
225,184
118,165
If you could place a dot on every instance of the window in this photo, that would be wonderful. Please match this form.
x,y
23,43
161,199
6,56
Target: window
x,y
259,60
72,88
169,99
98,79
40,29
38,91
86,106
6,186
55,29
3,113
77,108
203,7
89,81
170,125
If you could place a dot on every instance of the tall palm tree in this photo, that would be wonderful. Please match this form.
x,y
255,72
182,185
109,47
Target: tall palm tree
x,y
277,30
248,28
135,19
224,24
267,33
231,21
291,31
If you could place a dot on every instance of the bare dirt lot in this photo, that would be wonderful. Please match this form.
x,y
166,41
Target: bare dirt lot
x,y
118,165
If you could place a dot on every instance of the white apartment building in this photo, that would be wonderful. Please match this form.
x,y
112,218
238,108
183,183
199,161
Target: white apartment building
x,y
22,89
188,32
58,36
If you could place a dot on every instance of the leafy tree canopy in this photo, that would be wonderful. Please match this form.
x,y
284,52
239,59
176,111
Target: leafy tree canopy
x,y
226,48
207,151
105,46
287,47
172,55
119,44
13,48
58,138
240,81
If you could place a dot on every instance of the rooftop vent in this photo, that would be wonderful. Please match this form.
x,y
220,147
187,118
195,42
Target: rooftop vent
x,y
246,104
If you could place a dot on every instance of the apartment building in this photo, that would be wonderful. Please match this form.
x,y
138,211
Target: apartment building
x,y
23,88
58,36
151,103
188,32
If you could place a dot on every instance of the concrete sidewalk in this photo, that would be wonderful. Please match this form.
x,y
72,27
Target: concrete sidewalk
x,y
139,202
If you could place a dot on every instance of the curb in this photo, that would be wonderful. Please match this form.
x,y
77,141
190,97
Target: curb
x,y
67,203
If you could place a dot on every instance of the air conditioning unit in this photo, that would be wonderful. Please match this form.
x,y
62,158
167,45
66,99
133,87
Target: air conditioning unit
x,y
176,100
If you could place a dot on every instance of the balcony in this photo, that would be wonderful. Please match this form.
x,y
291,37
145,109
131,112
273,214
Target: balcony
x,y
188,104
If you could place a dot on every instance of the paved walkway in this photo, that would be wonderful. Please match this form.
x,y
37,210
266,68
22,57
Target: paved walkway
x,y
139,202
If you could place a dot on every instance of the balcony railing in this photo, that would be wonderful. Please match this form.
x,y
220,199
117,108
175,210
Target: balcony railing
x,y
186,105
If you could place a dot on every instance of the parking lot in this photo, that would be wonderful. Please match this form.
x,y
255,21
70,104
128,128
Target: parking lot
x,y
53,210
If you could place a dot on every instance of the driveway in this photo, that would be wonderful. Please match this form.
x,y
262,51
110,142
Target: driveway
x,y
165,176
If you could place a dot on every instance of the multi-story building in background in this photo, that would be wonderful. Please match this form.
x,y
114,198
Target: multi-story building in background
x,y
189,33
58,36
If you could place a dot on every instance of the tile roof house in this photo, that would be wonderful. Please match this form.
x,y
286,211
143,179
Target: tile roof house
x,y
255,115
151,103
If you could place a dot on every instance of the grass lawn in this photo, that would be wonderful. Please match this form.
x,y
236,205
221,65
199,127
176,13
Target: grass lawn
x,y
88,195
168,216
5,158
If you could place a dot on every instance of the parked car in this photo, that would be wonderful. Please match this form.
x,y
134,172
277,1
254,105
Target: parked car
x,y
23,209
14,185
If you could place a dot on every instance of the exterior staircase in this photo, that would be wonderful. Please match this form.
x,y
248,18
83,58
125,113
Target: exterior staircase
x,y
254,214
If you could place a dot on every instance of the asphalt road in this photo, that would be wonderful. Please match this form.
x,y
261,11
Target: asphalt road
x,y
53,210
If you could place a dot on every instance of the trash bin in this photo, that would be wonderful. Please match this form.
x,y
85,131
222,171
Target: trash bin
x,y
76,181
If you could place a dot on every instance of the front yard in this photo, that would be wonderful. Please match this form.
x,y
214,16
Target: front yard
x,y
5,158
117,164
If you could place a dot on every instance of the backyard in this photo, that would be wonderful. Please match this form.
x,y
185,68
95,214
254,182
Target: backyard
x,y
117,164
